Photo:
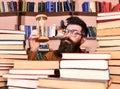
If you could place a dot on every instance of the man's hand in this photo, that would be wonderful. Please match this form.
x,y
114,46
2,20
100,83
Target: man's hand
x,y
34,45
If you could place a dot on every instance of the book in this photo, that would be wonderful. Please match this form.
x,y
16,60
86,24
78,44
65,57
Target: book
x,y
10,60
65,83
32,71
36,65
108,13
114,54
108,32
114,62
86,56
3,83
107,18
2,79
10,31
91,32
7,36
13,52
4,71
115,78
91,64
14,56
85,6
12,47
13,87
114,70
110,24
114,48
107,37
9,42
26,83
108,43
114,86
106,6
84,74
68,5
24,76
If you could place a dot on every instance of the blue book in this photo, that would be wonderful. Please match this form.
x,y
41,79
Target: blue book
x,y
65,6
48,6
52,6
27,31
85,7
68,5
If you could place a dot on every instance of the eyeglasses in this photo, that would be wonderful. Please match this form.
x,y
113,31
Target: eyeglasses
x,y
73,32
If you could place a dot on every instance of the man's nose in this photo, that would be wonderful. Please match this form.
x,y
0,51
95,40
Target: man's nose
x,y
68,35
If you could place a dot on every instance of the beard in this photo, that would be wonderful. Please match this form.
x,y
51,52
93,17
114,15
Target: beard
x,y
68,46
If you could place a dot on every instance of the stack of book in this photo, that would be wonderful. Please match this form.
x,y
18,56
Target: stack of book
x,y
108,37
80,71
11,49
25,74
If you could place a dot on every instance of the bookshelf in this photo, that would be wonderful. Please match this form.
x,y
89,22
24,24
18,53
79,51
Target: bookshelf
x,y
22,17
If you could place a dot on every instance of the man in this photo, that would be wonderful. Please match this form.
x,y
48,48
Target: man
x,y
74,35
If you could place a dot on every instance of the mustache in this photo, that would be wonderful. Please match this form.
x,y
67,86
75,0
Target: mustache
x,y
66,38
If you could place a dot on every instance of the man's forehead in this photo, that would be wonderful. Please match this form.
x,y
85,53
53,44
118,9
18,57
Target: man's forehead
x,y
74,27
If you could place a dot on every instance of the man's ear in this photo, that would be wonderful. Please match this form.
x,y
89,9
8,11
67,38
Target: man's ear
x,y
83,40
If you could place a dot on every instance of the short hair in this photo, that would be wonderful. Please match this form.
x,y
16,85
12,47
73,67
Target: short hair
x,y
80,22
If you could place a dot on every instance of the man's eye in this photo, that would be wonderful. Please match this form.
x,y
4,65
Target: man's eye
x,y
75,33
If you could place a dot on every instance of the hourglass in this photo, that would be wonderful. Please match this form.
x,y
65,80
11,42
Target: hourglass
x,y
41,19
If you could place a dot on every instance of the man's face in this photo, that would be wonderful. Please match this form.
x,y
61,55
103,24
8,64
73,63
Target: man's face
x,y
71,40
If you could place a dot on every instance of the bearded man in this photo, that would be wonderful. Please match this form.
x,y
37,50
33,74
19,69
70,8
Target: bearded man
x,y
75,34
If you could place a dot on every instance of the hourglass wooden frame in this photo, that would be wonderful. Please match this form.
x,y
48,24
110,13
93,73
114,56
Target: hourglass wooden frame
x,y
41,19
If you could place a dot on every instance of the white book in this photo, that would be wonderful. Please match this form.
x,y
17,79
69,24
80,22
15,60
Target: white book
x,y
11,42
23,76
13,52
86,64
11,31
85,74
108,13
86,56
27,83
32,71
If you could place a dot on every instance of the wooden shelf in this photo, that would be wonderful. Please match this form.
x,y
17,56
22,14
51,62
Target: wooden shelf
x,y
91,38
47,13
9,14
58,13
